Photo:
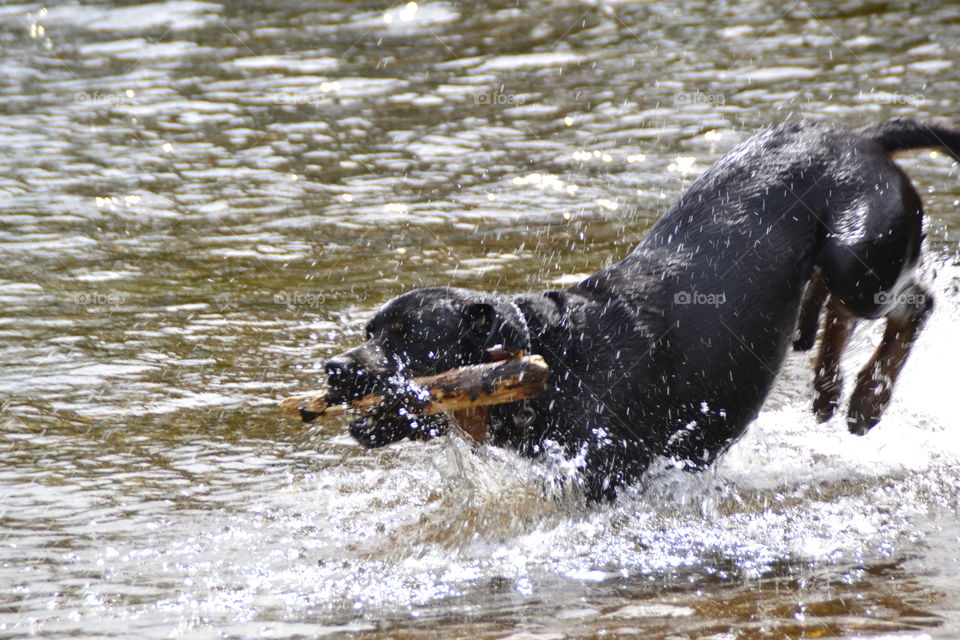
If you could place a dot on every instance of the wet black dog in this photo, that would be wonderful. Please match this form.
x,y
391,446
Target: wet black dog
x,y
673,350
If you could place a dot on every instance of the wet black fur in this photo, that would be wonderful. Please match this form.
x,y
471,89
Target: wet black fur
x,y
673,350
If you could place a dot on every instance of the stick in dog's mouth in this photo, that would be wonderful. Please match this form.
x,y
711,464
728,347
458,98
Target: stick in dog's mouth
x,y
455,390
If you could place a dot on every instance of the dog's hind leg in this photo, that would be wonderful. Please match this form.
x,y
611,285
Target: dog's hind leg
x,y
827,381
875,381
871,247
813,298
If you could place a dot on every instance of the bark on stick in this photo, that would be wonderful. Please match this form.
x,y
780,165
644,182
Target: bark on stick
x,y
454,390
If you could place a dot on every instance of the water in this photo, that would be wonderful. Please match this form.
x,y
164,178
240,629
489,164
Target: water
x,y
200,202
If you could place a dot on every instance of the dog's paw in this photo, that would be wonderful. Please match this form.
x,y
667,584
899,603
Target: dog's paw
x,y
870,398
806,334
825,406
859,424
827,399
805,339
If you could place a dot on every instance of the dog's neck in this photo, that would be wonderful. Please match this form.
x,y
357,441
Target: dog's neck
x,y
543,314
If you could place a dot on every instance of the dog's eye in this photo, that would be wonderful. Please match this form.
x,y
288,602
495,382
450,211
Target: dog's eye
x,y
396,327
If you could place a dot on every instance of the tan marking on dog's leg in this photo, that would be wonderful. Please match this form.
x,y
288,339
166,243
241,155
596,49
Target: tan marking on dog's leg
x,y
809,321
875,381
827,381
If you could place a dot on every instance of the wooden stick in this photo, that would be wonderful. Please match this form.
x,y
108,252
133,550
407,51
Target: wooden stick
x,y
454,390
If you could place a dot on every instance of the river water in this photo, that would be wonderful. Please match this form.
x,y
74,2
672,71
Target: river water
x,y
200,202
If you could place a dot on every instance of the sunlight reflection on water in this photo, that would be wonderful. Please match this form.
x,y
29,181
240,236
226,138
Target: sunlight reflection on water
x,y
200,202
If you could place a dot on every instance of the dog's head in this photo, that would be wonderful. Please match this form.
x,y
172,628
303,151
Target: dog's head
x,y
422,333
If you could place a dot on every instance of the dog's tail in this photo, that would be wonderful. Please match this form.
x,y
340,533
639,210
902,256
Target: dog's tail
x,y
903,134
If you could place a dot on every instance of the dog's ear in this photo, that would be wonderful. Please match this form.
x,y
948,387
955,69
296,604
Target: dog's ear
x,y
497,326
480,318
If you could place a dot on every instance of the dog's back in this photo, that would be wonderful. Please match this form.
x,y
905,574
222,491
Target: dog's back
x,y
735,252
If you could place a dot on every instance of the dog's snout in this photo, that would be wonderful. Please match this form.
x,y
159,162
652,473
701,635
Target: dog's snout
x,y
341,369
354,373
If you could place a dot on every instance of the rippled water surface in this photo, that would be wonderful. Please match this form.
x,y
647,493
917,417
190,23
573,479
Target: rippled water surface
x,y
201,201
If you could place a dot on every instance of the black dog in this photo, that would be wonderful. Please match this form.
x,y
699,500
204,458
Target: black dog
x,y
673,350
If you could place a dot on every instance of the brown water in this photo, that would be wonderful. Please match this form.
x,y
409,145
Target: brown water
x,y
200,202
